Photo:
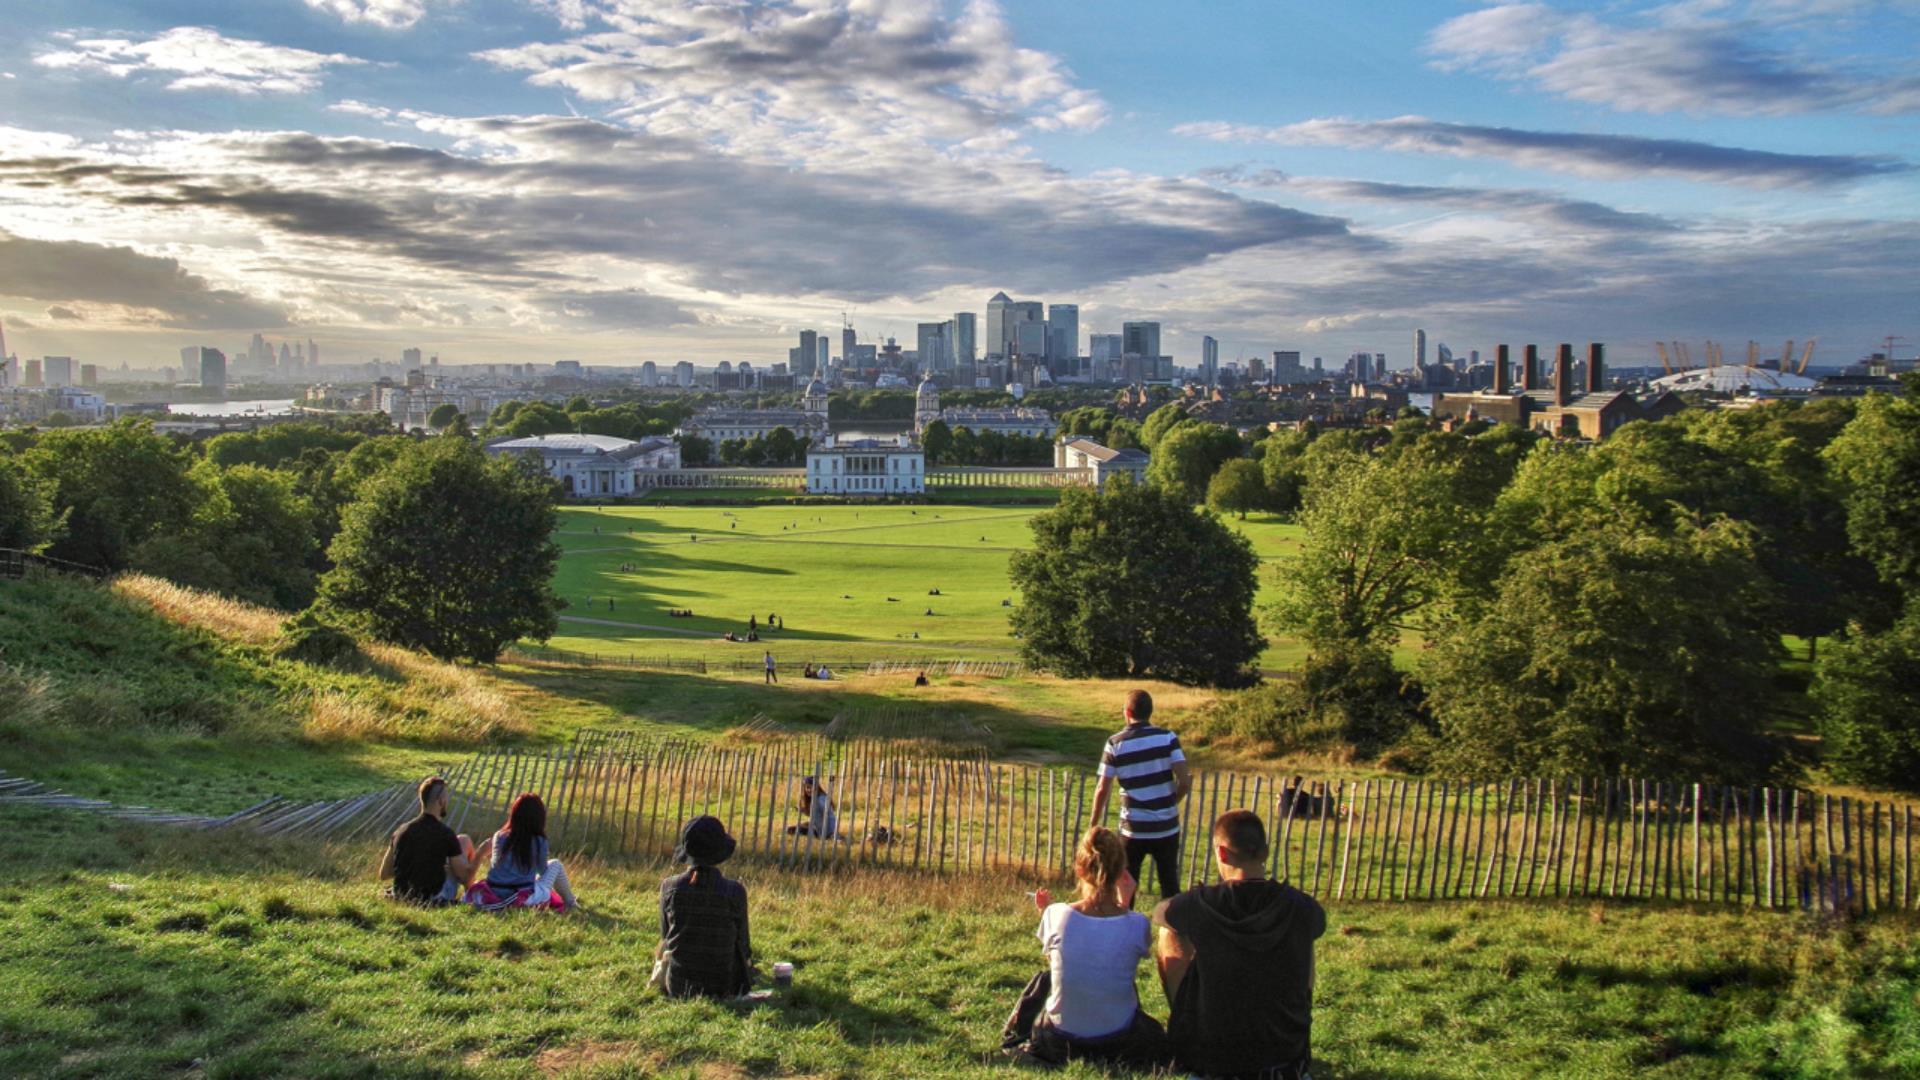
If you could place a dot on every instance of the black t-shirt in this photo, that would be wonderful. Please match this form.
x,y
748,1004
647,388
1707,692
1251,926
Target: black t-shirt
x,y
704,928
421,849
1246,1003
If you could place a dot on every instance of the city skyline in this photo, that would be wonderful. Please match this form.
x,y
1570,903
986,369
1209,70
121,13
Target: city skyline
x,y
502,181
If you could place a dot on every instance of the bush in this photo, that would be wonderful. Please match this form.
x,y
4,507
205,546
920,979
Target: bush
x,y
1350,699
310,640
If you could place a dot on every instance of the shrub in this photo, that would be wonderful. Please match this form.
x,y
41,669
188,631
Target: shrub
x,y
310,640
1869,716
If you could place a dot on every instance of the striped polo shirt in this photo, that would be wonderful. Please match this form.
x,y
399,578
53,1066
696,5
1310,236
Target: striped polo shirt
x,y
1141,757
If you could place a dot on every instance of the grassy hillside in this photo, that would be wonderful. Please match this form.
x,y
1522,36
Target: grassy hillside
x,y
145,954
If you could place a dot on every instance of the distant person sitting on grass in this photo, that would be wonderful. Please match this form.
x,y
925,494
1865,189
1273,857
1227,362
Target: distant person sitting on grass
x,y
1083,1006
522,874
705,948
921,678
821,672
1236,960
823,820
428,862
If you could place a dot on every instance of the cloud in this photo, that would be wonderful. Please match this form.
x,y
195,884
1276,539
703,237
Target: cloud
x,y
562,202
77,275
1700,58
808,78
391,14
58,311
198,58
1611,157
1545,207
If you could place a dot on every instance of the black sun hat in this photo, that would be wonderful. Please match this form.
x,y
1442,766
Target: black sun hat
x,y
704,842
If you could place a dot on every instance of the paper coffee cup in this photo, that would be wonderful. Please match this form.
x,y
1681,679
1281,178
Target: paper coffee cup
x,y
783,974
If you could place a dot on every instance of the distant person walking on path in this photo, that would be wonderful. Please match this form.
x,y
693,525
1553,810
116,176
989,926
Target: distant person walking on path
x,y
772,677
1153,777
428,862
1236,960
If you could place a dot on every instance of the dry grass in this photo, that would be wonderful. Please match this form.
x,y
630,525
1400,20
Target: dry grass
x,y
234,620
398,694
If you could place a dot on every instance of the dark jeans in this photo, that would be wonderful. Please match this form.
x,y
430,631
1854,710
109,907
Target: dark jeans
x,y
1166,860
1142,1045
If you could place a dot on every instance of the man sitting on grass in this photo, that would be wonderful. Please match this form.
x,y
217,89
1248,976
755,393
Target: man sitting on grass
x,y
426,861
1236,960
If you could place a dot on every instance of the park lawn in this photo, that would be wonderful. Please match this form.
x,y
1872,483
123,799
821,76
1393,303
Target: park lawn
x,y
135,953
850,583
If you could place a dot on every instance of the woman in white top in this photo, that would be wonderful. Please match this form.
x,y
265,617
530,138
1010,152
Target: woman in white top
x,y
1084,1006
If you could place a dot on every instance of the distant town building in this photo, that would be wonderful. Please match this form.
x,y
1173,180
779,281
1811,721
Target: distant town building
x,y
1063,336
720,424
57,370
1105,462
1014,421
877,467
589,466
1209,360
966,332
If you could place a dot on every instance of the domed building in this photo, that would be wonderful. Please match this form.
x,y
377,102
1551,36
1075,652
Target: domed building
x,y
808,422
1737,381
926,404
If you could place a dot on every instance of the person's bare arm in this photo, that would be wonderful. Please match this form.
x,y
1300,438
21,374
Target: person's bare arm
x,y
462,864
386,862
1100,793
1182,781
1171,955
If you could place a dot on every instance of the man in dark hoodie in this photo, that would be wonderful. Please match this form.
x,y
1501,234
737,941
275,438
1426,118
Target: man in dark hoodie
x,y
1236,960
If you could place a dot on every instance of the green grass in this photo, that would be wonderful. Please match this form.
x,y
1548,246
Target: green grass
x,y
828,571
134,954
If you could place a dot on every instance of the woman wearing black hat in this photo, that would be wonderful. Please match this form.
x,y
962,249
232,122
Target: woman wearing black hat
x,y
705,949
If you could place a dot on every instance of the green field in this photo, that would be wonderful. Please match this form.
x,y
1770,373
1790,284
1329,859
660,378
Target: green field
x,y
847,582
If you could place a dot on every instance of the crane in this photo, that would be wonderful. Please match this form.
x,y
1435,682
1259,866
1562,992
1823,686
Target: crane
x,y
1806,357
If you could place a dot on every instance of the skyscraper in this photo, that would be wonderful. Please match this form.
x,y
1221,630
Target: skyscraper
x,y
1063,335
1419,349
847,340
32,376
1029,339
89,375
822,353
410,358
999,319
1209,360
965,337
58,370
313,354
212,369
807,360
1105,348
1029,312
190,364
286,357
936,354
1140,338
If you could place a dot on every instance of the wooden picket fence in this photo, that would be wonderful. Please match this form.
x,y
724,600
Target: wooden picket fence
x,y
521,654
617,793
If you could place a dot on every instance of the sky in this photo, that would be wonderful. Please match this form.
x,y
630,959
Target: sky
x,y
623,180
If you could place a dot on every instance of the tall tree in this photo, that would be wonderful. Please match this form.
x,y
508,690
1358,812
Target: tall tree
x,y
27,518
1877,459
1131,580
1866,707
443,416
1620,650
1161,422
447,551
937,440
118,486
1187,457
1237,488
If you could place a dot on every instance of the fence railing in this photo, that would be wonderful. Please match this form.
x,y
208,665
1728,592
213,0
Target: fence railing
x,y
15,564
992,669
618,793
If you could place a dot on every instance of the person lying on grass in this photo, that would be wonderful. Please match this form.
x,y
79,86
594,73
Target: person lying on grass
x,y
1083,1005
1236,960
705,948
522,874
428,862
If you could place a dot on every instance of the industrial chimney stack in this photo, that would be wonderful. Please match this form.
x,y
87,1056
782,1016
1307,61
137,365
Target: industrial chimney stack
x,y
1502,370
1596,367
1530,369
1563,375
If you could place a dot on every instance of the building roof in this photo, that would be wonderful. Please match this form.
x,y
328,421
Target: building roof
x,y
816,388
567,443
1737,379
1107,455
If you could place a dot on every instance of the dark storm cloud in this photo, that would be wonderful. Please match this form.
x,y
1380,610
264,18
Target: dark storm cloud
x,y
70,272
1613,157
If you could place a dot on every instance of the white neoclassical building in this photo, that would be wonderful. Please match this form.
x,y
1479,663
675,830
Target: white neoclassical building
x,y
1100,461
589,466
875,467
1020,420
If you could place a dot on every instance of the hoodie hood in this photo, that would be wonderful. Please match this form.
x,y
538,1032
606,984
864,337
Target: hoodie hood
x,y
1258,913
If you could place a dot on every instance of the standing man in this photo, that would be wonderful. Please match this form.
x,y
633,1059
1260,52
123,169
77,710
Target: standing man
x,y
1236,961
771,677
427,862
1153,779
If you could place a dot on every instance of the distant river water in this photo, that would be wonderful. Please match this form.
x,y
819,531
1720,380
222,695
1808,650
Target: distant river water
x,y
230,408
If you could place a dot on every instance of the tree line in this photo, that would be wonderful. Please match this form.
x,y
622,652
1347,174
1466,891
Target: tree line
x,y
1481,601
427,543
